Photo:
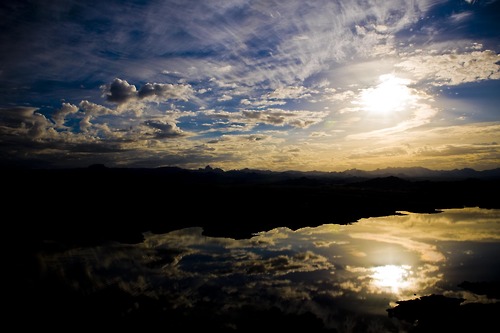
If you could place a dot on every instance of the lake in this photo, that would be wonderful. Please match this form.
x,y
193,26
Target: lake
x,y
338,277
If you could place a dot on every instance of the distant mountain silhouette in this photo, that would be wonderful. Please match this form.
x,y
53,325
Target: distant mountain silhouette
x,y
412,173
423,173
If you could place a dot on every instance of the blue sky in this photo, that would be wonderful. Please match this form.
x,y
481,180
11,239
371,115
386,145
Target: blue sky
x,y
320,85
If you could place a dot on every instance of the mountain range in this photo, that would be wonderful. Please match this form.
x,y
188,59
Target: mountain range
x,y
409,173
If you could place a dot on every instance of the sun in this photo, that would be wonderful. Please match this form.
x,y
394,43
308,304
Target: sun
x,y
391,277
390,95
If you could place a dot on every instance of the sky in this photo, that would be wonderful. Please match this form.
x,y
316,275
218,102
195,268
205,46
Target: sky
x,y
279,85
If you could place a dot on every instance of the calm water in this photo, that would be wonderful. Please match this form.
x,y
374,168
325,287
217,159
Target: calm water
x,y
341,274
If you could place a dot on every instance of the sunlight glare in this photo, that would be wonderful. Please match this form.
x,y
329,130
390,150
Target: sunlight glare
x,y
391,277
390,95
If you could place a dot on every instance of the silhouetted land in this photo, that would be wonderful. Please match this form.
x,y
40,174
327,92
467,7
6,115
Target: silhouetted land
x,y
54,210
98,204
438,313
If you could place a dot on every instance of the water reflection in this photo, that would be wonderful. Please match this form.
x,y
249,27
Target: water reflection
x,y
392,278
335,272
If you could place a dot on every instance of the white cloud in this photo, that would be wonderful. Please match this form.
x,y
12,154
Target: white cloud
x,y
275,117
422,114
261,103
91,110
224,98
319,134
293,92
460,17
165,91
60,115
453,68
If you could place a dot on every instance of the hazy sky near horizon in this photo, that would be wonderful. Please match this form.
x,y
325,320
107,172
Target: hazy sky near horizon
x,y
319,85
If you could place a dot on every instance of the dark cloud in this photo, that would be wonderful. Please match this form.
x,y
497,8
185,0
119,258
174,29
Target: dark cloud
x,y
164,129
278,117
13,117
119,91
284,264
252,114
24,121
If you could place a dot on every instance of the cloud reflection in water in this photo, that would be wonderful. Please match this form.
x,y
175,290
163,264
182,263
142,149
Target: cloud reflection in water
x,y
334,272
391,277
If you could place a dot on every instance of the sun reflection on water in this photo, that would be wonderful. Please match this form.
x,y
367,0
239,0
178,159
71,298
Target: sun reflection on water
x,y
391,278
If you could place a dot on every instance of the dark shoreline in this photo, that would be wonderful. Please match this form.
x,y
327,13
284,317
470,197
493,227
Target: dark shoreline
x,y
92,205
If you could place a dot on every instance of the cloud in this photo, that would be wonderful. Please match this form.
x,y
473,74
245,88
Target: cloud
x,y
248,119
120,92
24,122
91,110
293,92
60,115
242,67
185,238
279,117
254,46
422,115
428,252
282,264
459,150
452,68
392,96
261,103
333,95
163,129
224,98
460,17
27,124
409,148
319,134
90,133
469,224
163,92
279,95
383,151
29,136
398,280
